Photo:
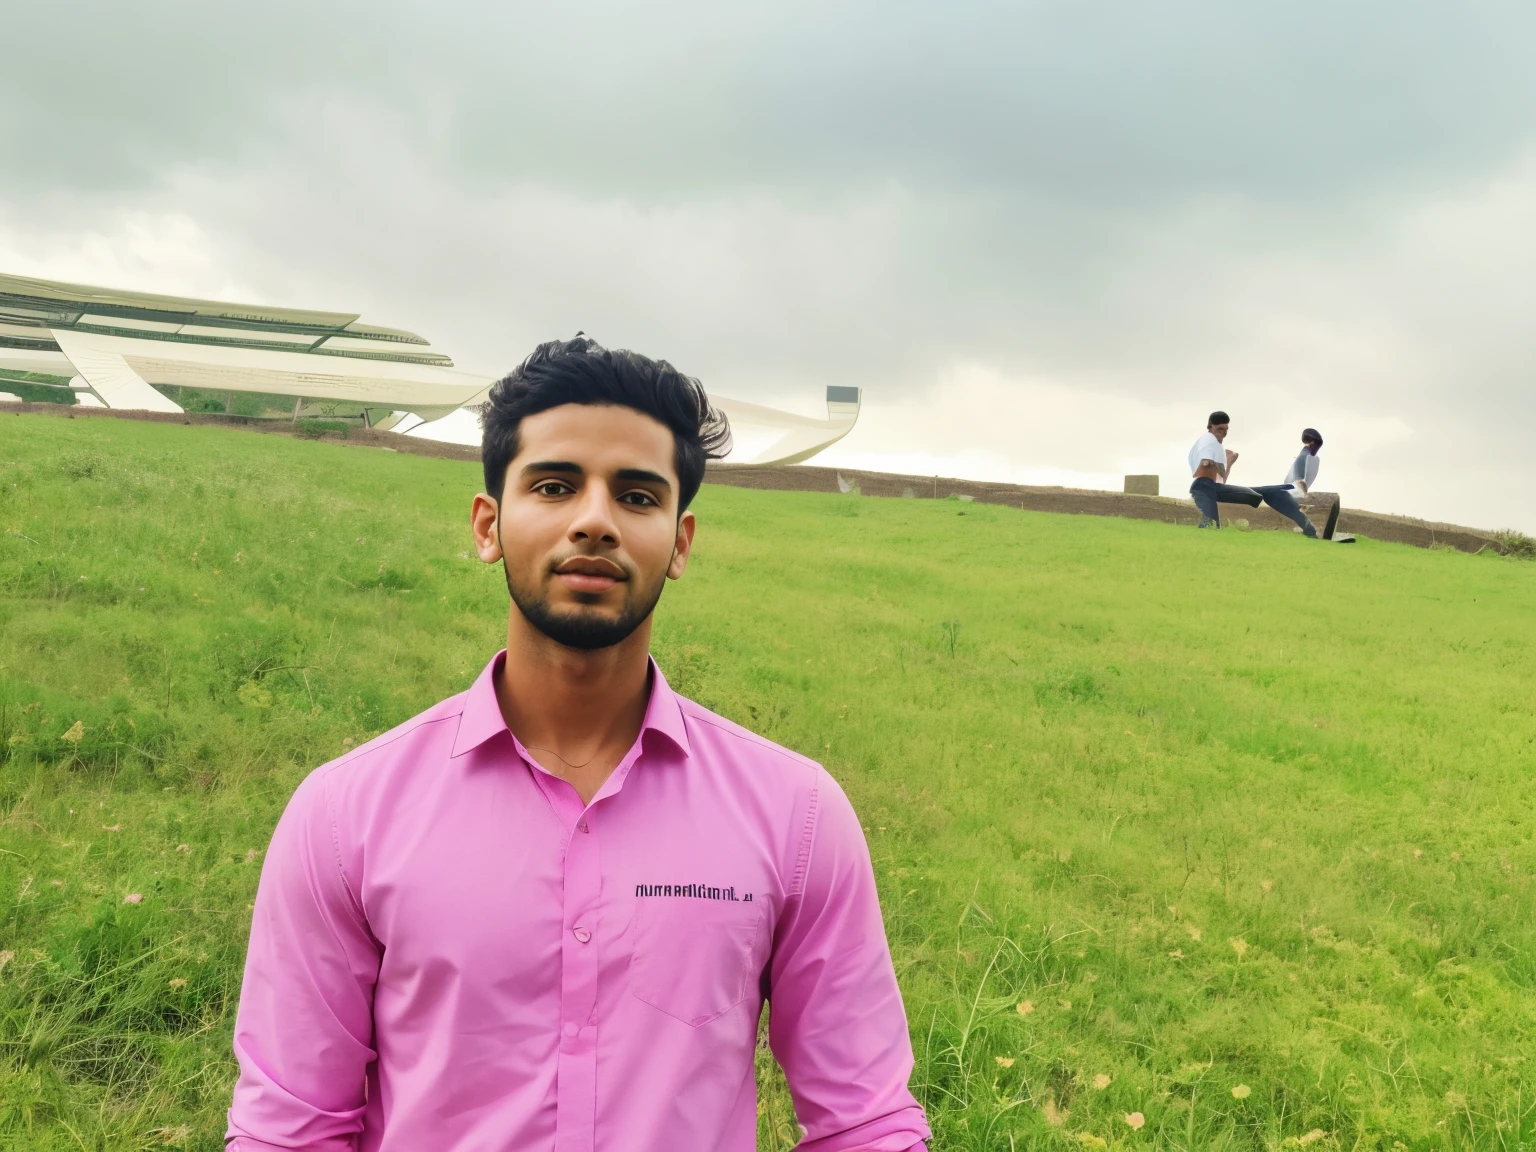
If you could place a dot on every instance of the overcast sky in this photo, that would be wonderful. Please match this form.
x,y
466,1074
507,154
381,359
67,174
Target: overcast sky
x,y
1045,237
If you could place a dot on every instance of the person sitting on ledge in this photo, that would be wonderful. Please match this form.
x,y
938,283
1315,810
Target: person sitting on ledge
x,y
1299,478
1303,470
1211,462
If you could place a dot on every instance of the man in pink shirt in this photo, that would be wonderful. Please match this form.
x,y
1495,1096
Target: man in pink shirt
x,y
543,916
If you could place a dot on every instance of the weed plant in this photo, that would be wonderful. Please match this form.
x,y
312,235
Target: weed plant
x,y
1185,840
1516,544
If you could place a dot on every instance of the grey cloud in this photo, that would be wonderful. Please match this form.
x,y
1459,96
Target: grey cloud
x,y
1111,99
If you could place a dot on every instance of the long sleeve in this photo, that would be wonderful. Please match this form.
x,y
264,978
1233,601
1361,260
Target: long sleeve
x,y
304,1032
836,1022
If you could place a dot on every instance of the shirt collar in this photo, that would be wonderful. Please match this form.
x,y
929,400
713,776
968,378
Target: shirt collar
x,y
481,717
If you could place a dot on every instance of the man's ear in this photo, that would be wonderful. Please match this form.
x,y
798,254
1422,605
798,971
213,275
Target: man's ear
x,y
683,546
483,514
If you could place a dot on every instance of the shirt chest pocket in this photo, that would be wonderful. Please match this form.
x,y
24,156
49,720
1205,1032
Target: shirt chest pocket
x,y
695,960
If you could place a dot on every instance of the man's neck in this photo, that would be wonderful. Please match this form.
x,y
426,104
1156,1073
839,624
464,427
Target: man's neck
x,y
577,712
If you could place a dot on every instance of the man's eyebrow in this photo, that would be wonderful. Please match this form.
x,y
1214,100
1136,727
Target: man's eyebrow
x,y
567,466
644,477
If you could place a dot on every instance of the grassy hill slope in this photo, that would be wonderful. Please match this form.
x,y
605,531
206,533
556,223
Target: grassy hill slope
x,y
1232,831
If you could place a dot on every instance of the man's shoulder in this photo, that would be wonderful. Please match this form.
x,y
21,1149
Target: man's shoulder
x,y
424,738
718,738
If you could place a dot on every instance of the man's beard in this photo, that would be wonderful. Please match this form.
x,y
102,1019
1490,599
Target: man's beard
x,y
583,630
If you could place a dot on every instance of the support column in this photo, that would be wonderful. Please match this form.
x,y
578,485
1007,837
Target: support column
x,y
109,375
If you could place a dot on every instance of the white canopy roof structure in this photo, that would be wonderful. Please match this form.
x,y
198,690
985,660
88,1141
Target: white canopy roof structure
x,y
118,349
769,436
760,435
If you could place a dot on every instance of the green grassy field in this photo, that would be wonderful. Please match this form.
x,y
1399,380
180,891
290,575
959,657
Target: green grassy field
x,y
1229,834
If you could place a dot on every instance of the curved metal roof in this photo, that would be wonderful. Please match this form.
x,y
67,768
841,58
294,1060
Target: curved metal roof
x,y
86,297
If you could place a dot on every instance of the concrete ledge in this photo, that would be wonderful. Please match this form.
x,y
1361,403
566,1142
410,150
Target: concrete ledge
x,y
1086,502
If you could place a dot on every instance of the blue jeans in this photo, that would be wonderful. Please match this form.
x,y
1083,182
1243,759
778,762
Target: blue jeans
x,y
1278,497
1207,494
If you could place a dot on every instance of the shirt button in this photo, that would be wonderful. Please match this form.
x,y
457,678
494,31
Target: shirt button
x,y
581,934
582,827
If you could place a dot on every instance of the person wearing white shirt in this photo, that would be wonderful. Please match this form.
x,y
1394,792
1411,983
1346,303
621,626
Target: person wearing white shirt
x,y
1303,471
1210,462
1299,478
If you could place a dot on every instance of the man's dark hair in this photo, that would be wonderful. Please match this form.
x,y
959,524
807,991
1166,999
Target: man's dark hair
x,y
1218,417
582,371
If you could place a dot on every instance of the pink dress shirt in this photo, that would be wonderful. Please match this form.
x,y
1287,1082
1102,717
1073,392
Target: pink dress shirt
x,y
449,953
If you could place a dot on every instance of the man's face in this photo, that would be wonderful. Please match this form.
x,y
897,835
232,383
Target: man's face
x,y
586,524
1219,431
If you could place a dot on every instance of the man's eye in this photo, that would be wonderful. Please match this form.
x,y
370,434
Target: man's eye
x,y
639,498
552,488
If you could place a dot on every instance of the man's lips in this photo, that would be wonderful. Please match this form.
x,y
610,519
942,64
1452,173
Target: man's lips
x,y
589,574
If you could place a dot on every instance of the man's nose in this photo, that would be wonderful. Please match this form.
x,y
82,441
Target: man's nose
x,y
594,519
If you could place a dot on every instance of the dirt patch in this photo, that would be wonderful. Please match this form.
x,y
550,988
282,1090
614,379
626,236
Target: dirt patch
x,y
807,478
